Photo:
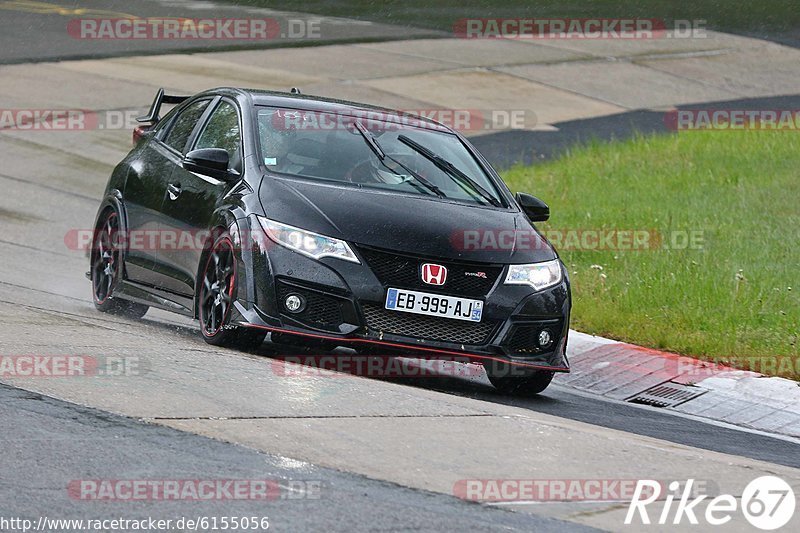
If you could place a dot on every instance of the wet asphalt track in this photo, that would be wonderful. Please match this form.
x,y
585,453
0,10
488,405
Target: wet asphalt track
x,y
47,442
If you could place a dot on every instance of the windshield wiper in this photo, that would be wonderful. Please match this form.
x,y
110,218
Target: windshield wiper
x,y
450,169
371,140
373,143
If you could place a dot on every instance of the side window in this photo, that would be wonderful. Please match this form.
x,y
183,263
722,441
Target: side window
x,y
222,131
183,125
164,123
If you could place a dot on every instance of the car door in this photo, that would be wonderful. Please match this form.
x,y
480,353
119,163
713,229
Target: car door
x,y
193,197
146,187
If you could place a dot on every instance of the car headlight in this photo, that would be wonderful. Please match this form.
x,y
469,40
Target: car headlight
x,y
307,242
537,275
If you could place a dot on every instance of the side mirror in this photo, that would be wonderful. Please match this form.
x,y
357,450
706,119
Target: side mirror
x,y
535,209
209,162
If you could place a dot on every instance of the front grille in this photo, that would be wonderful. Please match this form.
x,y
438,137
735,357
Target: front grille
x,y
321,311
524,339
432,328
403,271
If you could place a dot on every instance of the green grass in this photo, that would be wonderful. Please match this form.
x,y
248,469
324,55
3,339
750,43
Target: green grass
x,y
739,295
764,16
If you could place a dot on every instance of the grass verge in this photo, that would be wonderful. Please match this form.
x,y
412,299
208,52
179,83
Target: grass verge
x,y
732,299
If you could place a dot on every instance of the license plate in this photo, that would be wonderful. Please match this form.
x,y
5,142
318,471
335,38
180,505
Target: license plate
x,y
423,303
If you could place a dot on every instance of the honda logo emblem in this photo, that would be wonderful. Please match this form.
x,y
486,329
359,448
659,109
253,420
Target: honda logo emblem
x,y
434,274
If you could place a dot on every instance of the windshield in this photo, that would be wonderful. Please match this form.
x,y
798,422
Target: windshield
x,y
366,152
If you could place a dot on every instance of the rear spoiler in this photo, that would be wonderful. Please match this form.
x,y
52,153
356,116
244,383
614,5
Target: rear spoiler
x,y
152,116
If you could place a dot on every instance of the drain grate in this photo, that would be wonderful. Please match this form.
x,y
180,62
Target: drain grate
x,y
667,395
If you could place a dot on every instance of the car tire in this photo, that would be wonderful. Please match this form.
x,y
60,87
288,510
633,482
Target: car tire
x,y
106,269
502,376
217,291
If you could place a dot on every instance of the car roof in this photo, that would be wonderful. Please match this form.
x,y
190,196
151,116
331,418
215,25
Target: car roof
x,y
331,105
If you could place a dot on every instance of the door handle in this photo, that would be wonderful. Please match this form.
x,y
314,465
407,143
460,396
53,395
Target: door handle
x,y
174,191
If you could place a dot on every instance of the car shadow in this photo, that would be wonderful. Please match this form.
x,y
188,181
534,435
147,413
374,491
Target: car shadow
x,y
450,377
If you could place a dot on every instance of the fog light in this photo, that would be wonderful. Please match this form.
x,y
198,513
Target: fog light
x,y
545,339
294,303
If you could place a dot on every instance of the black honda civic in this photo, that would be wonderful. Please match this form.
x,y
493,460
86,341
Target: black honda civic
x,y
324,221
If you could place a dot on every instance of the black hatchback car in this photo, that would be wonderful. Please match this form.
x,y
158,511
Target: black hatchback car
x,y
320,220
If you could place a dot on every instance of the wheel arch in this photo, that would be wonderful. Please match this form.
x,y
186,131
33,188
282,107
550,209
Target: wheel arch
x,y
112,200
222,221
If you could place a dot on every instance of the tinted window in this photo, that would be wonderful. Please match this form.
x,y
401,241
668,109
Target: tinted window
x,y
184,124
329,147
164,122
222,131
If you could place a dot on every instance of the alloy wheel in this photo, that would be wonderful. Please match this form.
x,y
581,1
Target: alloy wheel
x,y
216,293
105,259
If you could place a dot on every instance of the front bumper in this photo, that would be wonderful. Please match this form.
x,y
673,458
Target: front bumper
x,y
345,305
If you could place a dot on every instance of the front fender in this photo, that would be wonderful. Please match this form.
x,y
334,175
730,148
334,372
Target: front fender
x,y
113,200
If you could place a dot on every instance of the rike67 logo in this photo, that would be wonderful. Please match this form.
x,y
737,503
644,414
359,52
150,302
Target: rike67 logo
x,y
767,502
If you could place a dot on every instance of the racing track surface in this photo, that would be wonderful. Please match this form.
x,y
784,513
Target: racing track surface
x,y
48,430
387,453
21,21
419,434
